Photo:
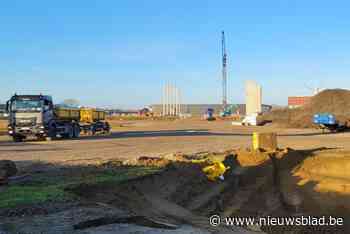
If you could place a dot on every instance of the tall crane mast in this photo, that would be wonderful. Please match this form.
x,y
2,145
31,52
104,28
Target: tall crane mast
x,y
224,72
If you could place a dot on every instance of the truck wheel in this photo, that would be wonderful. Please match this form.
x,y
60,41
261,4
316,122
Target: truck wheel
x,y
17,138
93,130
106,128
70,134
76,131
41,138
51,132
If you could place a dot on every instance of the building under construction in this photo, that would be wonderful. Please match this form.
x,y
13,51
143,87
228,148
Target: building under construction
x,y
197,110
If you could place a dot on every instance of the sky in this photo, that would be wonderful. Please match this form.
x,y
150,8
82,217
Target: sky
x,y
120,53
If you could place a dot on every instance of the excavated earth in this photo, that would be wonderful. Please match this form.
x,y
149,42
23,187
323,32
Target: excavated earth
x,y
335,101
259,184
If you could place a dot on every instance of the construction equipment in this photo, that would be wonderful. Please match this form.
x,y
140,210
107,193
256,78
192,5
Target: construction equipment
x,y
229,110
328,121
209,115
36,115
224,72
215,171
226,112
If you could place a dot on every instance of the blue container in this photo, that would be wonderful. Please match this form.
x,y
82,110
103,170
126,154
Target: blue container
x,y
324,118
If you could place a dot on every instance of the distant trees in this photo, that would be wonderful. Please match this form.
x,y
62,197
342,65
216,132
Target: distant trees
x,y
71,102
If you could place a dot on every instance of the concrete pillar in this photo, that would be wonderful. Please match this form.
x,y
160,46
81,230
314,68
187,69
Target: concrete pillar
x,y
166,99
163,100
253,98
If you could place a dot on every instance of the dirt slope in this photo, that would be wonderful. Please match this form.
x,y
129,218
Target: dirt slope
x,y
335,101
259,185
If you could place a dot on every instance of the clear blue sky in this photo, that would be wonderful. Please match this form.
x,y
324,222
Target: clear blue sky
x,y
120,53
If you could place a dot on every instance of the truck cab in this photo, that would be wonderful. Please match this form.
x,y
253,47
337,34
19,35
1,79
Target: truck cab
x,y
29,115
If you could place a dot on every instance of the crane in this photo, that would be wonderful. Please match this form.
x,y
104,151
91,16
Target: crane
x,y
226,110
224,72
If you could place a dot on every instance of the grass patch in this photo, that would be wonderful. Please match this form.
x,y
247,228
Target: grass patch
x,y
43,188
23,195
121,175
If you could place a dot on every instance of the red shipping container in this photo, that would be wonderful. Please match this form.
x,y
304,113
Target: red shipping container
x,y
298,101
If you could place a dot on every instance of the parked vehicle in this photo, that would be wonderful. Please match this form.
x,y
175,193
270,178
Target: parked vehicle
x,y
328,121
251,120
36,115
209,115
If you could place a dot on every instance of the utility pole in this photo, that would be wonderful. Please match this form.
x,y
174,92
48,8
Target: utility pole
x,y
224,72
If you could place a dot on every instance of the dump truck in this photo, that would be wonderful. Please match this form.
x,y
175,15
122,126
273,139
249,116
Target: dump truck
x,y
37,116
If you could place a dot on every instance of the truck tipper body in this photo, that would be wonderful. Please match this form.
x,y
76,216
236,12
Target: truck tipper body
x,y
37,116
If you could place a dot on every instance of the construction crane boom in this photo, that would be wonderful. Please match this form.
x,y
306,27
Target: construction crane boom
x,y
224,72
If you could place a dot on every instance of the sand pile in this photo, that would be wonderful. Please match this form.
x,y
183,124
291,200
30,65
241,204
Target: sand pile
x,y
335,101
329,171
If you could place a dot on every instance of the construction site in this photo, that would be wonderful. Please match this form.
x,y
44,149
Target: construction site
x,y
168,172
176,166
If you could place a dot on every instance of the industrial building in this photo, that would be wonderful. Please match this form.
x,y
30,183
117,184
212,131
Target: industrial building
x,y
295,102
119,112
197,110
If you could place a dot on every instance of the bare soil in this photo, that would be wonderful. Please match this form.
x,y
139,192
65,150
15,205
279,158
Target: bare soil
x,y
335,101
181,193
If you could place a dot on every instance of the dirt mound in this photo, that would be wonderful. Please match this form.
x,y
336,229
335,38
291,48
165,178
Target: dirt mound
x,y
152,161
329,170
335,101
257,185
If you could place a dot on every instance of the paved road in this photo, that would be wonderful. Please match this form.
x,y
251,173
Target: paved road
x,y
158,138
